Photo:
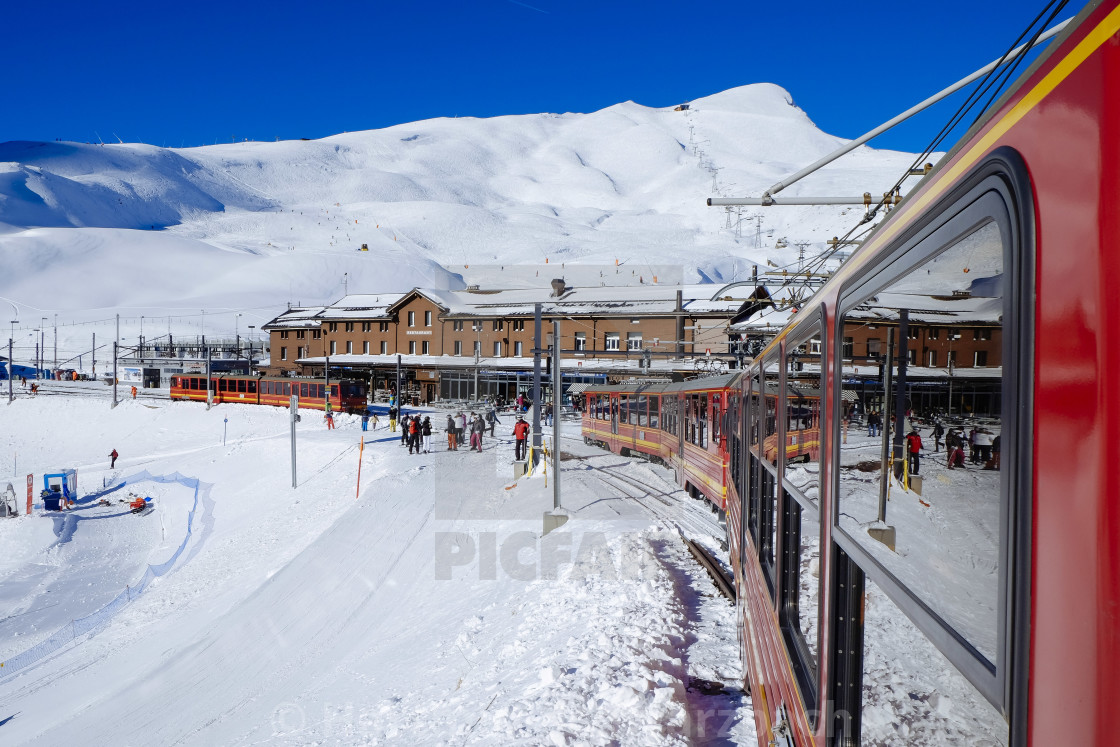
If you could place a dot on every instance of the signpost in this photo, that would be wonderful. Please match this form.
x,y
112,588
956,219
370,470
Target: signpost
x,y
293,407
30,487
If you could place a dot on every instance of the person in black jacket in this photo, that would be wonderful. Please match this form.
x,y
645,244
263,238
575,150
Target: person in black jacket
x,y
452,431
426,432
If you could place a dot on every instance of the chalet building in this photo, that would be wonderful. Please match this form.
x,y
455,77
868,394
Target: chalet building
x,y
455,343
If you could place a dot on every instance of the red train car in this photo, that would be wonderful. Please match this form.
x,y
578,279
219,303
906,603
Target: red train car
x,y
993,585
972,602
345,395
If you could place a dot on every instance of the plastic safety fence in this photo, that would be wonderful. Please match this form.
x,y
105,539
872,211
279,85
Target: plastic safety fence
x,y
90,623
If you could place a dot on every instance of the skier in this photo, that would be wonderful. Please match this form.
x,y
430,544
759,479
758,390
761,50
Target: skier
x,y
492,419
477,428
452,440
134,392
330,420
365,421
427,434
393,419
113,456
520,431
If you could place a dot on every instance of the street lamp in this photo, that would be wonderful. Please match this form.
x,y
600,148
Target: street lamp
x,y
251,328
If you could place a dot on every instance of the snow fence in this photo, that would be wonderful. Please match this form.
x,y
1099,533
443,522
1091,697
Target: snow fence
x,y
90,623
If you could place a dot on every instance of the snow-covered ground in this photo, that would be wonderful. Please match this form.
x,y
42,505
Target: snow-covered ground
x,y
421,607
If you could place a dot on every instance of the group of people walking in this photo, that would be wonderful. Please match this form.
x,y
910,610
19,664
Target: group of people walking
x,y
461,427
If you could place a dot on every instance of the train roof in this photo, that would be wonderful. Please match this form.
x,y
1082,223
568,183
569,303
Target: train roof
x,y
721,381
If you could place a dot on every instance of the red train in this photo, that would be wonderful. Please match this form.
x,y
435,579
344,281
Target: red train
x,y
345,395
975,601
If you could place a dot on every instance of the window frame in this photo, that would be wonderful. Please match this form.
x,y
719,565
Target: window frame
x,y
791,501
996,191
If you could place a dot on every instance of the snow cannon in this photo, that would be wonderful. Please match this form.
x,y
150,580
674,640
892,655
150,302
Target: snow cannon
x,y
60,489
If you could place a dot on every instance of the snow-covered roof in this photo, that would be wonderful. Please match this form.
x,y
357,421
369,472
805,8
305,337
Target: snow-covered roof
x,y
641,299
571,365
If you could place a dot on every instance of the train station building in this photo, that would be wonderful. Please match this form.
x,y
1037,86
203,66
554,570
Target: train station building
x,y
460,344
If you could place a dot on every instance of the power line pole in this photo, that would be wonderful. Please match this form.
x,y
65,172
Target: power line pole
x,y
56,344
536,381
116,342
293,412
556,400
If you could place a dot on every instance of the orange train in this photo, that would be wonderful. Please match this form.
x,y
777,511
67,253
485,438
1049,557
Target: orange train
x,y
692,427
345,395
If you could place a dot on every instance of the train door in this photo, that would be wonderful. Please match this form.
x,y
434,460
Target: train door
x,y
614,413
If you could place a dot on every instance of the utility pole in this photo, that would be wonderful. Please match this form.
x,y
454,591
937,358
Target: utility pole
x,y
536,381
556,401
293,412
326,383
116,342
555,518
93,352
209,384
400,399
56,344
10,375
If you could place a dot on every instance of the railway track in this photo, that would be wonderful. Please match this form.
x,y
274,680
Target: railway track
x,y
681,513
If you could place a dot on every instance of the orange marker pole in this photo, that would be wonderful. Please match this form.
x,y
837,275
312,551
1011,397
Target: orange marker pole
x,y
361,448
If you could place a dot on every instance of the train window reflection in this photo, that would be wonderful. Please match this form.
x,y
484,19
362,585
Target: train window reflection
x,y
801,593
802,393
911,693
913,491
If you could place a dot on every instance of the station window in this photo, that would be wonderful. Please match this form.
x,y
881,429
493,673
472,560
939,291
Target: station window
x,y
427,318
412,318
458,347
424,347
581,341
383,326
611,341
384,347
283,354
349,346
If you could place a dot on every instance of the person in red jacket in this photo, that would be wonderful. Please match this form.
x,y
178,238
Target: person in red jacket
x,y
913,446
113,456
520,432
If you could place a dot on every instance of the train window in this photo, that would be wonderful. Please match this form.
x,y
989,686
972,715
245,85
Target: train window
x,y
924,502
643,416
623,408
287,389
222,384
915,695
801,593
635,409
654,411
717,416
804,385
303,389
241,386
334,390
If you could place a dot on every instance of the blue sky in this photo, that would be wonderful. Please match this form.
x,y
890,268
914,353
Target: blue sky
x,y
203,72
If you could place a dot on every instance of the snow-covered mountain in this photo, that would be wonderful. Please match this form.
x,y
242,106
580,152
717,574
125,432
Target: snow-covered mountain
x,y
253,225
625,183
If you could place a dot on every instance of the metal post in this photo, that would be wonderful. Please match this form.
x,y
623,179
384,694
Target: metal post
x,y
536,380
884,410
114,374
56,344
37,360
900,396
326,382
209,384
556,400
10,375
293,413
400,400
93,352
